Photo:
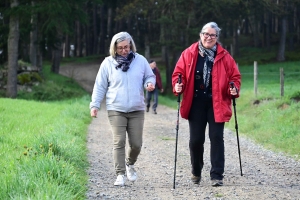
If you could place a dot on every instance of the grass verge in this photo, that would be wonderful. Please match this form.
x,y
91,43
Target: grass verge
x,y
43,149
43,141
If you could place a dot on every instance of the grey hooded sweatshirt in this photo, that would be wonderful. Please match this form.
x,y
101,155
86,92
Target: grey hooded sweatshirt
x,y
124,91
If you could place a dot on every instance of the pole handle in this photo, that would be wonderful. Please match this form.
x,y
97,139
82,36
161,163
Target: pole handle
x,y
233,97
179,81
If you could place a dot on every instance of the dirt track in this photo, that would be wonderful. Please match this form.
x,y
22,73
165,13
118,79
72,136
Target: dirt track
x,y
266,175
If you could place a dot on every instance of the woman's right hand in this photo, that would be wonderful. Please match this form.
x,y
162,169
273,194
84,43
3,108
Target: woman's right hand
x,y
94,112
178,87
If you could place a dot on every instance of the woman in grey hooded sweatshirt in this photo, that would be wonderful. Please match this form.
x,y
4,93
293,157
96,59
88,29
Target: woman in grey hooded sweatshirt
x,y
122,78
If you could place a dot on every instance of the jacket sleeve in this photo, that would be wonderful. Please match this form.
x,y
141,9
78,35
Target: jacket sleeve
x,y
233,74
180,69
100,86
149,76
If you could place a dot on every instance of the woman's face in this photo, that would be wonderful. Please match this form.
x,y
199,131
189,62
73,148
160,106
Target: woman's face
x,y
208,37
123,48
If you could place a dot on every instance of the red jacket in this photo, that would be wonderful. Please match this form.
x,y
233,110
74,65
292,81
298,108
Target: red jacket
x,y
158,78
224,71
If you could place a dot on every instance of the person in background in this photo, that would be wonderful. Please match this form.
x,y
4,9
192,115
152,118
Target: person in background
x,y
207,70
122,78
158,87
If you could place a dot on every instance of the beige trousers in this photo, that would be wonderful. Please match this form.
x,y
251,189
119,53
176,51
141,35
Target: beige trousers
x,y
121,123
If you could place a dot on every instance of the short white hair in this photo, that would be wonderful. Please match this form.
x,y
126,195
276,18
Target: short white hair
x,y
213,25
120,37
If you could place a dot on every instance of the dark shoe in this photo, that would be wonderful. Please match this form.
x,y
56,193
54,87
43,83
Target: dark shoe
x,y
154,111
196,179
216,183
147,110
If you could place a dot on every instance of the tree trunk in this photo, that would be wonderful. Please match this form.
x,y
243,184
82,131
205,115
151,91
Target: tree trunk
x,y
12,46
147,47
33,40
102,31
39,53
57,54
56,58
95,32
67,46
39,60
291,31
297,24
78,39
255,33
187,28
109,27
86,46
281,49
268,31
162,42
246,25
235,40
167,64
147,39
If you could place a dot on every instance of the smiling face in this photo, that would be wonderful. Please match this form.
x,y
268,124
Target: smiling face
x,y
123,48
208,37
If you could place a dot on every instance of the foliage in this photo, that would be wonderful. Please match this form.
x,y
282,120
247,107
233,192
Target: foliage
x,y
54,88
43,157
27,78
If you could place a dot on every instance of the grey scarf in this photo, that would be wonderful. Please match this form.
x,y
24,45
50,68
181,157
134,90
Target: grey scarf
x,y
124,62
209,61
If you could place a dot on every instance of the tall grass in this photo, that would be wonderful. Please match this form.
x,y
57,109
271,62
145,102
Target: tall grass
x,y
43,141
42,147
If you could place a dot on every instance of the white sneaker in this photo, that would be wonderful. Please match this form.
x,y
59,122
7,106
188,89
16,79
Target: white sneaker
x,y
131,173
120,180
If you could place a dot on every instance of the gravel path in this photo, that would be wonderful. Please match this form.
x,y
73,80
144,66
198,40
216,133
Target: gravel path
x,y
266,175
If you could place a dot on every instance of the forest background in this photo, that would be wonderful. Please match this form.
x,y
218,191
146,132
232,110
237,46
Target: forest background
x,y
34,31
38,37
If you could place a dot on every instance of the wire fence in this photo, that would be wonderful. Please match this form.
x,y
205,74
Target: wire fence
x,y
270,73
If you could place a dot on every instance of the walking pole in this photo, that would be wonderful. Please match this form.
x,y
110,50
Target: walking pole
x,y
177,128
236,127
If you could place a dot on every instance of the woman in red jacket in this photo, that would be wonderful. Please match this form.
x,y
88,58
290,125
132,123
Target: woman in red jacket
x,y
206,70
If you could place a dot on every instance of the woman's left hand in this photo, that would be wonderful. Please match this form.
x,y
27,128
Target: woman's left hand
x,y
233,91
150,87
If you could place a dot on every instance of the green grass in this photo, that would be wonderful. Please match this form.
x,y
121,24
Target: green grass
x,y
53,88
274,122
43,149
43,133
43,141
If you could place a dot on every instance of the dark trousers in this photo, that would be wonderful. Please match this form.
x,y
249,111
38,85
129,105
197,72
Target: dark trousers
x,y
202,113
155,98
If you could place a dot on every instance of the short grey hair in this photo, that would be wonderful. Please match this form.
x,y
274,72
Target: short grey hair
x,y
213,25
120,37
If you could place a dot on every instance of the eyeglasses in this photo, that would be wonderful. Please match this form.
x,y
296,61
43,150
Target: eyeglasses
x,y
123,48
212,36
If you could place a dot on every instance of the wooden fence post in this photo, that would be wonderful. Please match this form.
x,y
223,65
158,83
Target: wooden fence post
x,y
255,78
281,82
